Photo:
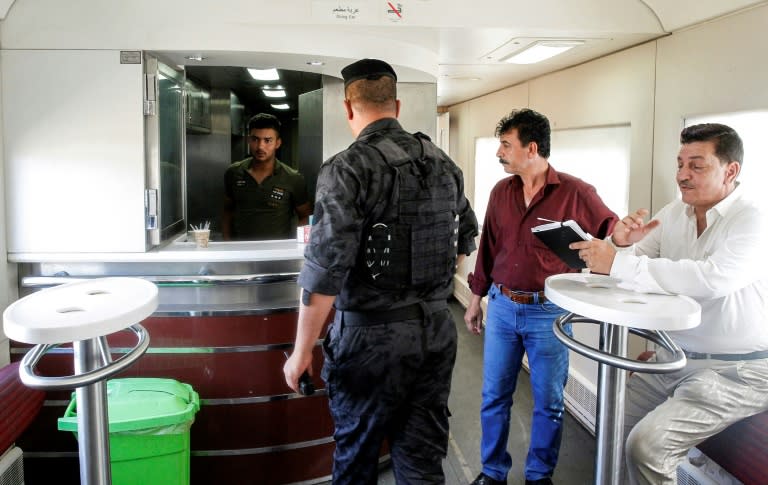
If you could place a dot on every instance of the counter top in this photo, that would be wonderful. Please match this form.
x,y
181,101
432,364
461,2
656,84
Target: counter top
x,y
179,251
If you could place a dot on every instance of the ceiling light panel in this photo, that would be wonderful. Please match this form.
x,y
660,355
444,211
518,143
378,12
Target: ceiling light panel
x,y
270,74
507,51
274,93
540,51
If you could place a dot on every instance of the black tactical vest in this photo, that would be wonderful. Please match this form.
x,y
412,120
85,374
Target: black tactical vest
x,y
412,242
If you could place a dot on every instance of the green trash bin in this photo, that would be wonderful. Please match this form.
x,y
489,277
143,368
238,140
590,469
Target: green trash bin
x,y
149,422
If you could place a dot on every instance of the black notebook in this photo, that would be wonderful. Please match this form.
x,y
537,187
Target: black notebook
x,y
558,235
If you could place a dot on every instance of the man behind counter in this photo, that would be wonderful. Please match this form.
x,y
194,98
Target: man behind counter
x,y
262,194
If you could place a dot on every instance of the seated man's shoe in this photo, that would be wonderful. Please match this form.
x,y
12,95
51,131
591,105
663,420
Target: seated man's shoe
x,y
540,481
484,479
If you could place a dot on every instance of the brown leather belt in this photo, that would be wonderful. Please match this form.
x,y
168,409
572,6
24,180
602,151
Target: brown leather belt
x,y
522,297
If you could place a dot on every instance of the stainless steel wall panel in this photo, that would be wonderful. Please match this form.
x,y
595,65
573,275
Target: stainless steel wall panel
x,y
208,157
190,288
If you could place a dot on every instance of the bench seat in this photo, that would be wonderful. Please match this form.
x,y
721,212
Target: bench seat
x,y
742,449
19,405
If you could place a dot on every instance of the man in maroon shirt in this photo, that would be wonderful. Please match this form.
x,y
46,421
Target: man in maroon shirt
x,y
511,267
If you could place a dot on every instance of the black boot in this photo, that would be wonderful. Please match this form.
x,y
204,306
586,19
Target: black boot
x,y
484,479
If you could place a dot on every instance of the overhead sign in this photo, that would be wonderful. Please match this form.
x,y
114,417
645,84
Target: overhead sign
x,y
349,11
394,11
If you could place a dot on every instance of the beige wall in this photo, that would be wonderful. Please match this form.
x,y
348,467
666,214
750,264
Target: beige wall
x,y
417,106
469,121
8,292
614,90
715,68
617,89
478,118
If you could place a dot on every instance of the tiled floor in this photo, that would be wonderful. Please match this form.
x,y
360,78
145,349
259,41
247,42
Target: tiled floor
x,y
576,463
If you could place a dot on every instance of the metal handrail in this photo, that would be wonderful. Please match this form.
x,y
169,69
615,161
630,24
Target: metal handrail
x,y
163,280
658,337
31,358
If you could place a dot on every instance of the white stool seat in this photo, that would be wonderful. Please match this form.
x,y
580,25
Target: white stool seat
x,y
80,310
598,297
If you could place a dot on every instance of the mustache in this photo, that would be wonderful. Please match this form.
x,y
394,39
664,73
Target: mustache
x,y
503,162
685,185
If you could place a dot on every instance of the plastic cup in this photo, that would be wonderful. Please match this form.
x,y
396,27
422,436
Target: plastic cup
x,y
202,237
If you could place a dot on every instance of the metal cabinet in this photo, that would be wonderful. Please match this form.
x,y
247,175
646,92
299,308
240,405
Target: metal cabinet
x,y
198,104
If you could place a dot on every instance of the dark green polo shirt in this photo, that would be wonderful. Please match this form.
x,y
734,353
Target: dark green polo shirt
x,y
266,210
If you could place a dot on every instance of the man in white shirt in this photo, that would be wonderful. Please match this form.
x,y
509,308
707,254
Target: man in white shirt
x,y
709,246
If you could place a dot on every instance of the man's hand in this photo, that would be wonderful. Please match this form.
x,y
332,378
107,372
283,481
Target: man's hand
x,y
597,254
312,316
631,228
473,317
294,367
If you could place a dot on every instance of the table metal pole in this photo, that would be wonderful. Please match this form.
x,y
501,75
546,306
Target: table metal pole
x,y
610,407
92,418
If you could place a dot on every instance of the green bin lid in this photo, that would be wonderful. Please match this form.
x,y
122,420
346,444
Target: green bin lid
x,y
142,403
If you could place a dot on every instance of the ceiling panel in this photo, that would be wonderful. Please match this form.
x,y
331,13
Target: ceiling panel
x,y
677,14
443,41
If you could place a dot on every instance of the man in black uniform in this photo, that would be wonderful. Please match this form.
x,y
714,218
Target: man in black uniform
x,y
391,219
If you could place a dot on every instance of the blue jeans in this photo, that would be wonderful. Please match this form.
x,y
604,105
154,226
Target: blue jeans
x,y
512,329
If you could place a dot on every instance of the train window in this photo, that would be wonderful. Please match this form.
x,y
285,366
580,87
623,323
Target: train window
x,y
751,127
600,156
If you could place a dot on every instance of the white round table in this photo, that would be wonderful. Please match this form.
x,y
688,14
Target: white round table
x,y
84,313
597,299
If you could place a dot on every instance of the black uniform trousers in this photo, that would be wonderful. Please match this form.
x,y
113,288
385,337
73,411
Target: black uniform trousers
x,y
390,380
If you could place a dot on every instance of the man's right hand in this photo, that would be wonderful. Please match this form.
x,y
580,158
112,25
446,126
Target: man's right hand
x,y
294,367
473,317
632,229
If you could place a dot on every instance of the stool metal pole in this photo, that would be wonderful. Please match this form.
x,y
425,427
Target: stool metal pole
x,y
83,312
610,407
92,418
611,379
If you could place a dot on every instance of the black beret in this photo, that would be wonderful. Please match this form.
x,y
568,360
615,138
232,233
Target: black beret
x,y
367,69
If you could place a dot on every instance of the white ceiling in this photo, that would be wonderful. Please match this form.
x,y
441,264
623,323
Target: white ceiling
x,y
447,41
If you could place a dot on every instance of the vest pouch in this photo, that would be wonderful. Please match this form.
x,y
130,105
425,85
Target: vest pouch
x,y
387,255
413,245
432,256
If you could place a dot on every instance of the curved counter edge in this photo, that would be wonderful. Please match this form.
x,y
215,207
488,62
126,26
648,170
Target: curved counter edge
x,y
179,252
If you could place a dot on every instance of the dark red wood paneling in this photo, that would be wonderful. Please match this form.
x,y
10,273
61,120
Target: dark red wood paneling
x,y
741,449
224,426
261,425
264,469
214,331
